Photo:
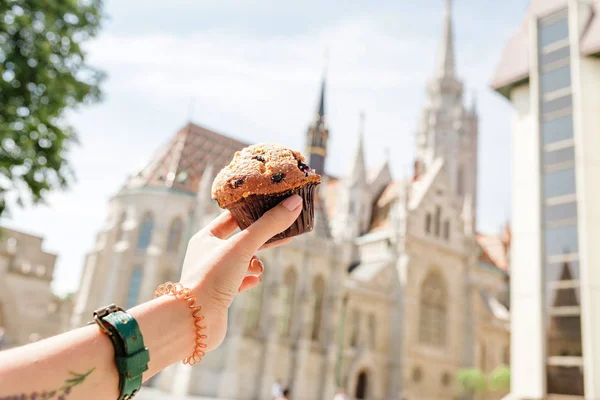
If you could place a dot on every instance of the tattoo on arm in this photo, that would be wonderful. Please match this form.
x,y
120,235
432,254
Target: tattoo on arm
x,y
60,393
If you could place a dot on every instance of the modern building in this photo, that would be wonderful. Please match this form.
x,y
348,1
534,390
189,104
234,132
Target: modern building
x,y
389,297
550,72
29,311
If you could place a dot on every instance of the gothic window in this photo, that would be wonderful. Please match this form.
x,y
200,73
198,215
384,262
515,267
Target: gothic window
x,y
433,313
175,235
145,233
438,220
362,387
135,283
355,328
372,332
254,300
120,233
447,230
428,223
288,292
317,305
506,355
460,181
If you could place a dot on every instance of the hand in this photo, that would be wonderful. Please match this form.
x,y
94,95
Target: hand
x,y
216,267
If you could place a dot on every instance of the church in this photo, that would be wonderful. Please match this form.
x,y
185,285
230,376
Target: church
x,y
389,297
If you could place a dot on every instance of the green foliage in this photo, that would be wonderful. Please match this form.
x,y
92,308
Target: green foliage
x,y
42,75
500,378
471,380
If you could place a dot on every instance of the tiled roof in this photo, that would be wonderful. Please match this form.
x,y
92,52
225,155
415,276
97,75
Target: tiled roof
x,y
494,250
381,207
514,63
332,187
182,161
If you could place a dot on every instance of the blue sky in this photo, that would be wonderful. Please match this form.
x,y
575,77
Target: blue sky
x,y
253,69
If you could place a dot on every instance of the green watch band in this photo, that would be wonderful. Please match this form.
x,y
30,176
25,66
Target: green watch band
x,y
131,356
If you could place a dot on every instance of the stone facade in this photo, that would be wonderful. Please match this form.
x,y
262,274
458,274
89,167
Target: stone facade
x,y
388,297
29,311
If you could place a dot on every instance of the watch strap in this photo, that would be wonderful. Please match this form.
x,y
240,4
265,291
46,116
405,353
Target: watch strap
x,y
131,356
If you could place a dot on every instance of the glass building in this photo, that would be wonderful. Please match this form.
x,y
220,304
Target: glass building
x,y
550,72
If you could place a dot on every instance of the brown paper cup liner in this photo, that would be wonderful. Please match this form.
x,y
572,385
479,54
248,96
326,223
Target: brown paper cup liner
x,y
248,210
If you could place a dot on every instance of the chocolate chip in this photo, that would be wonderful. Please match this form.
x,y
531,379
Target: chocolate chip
x,y
278,177
237,183
303,167
259,158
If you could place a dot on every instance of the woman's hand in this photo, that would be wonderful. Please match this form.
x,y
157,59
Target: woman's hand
x,y
216,267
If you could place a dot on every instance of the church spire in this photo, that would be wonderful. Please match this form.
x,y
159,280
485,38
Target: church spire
x,y
446,56
318,133
357,171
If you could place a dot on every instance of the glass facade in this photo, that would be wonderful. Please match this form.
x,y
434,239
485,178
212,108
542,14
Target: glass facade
x,y
564,371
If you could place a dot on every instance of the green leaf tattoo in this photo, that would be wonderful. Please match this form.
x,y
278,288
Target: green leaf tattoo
x,y
58,394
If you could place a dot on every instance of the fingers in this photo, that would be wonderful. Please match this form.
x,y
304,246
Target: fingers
x,y
277,243
249,282
256,266
222,226
274,221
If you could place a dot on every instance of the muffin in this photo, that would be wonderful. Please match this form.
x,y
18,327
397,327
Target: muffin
x,y
261,176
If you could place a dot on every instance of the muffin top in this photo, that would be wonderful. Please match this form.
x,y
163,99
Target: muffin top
x,y
261,169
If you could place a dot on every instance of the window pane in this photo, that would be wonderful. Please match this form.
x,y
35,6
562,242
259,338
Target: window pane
x,y
554,32
560,211
555,56
559,156
134,287
563,271
559,183
557,104
561,240
558,129
556,79
564,380
563,297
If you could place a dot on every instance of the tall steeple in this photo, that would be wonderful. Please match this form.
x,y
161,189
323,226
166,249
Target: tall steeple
x,y
448,128
318,133
357,170
446,56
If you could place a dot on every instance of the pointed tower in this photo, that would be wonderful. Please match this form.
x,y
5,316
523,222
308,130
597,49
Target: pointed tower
x,y
448,128
354,212
318,135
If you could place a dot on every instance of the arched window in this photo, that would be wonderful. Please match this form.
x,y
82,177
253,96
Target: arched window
x,y
433,313
120,233
318,290
254,304
428,223
145,233
372,332
362,386
438,220
175,235
447,230
354,334
135,283
288,292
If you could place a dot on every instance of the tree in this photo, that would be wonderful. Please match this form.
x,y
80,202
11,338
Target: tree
x,y
42,75
471,380
500,378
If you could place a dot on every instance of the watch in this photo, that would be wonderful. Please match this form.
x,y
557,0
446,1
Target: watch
x,y
131,356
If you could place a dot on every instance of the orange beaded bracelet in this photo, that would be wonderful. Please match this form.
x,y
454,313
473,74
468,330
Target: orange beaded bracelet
x,y
177,290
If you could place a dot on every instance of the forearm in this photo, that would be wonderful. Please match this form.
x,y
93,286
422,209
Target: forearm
x,y
81,362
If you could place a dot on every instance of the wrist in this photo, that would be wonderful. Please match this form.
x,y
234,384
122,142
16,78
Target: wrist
x,y
168,329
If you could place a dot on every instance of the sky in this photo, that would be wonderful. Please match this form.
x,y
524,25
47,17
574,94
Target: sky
x,y
252,70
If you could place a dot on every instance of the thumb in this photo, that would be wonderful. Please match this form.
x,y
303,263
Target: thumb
x,y
274,221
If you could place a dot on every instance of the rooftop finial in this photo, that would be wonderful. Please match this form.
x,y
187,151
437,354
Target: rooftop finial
x,y
446,56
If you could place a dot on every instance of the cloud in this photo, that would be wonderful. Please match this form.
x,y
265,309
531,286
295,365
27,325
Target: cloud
x,y
262,88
